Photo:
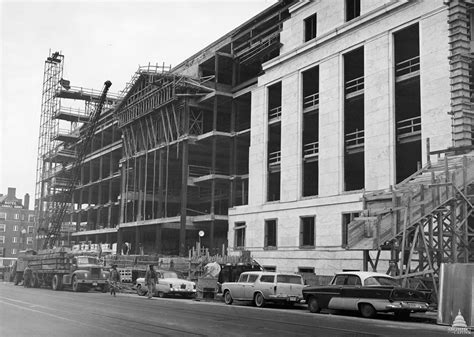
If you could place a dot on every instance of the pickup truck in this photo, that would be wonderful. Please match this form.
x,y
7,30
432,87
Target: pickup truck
x,y
366,292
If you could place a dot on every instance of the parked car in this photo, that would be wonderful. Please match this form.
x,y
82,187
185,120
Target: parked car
x,y
366,292
169,284
261,287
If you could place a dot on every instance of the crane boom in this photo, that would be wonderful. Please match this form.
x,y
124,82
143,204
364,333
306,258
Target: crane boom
x,y
57,215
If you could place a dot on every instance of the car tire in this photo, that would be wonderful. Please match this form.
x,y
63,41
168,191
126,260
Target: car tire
x,y
402,315
161,294
141,291
367,310
313,305
228,298
259,300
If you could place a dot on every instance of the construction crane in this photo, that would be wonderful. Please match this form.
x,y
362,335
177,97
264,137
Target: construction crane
x,y
56,217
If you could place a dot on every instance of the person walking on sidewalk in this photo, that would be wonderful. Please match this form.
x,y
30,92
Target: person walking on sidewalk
x,y
114,279
151,279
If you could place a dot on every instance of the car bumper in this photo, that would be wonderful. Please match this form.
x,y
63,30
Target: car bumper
x,y
285,298
176,291
411,306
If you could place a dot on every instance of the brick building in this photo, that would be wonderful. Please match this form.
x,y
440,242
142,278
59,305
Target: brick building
x,y
17,231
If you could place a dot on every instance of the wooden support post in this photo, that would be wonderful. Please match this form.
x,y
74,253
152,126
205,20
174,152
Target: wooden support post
x,y
365,260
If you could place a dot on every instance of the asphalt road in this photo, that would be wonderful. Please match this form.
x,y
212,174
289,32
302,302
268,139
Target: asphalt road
x,y
43,312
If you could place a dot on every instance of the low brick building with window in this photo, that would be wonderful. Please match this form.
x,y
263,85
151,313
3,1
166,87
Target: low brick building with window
x,y
17,230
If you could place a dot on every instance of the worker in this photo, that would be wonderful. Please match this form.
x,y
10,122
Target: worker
x,y
114,279
27,276
150,280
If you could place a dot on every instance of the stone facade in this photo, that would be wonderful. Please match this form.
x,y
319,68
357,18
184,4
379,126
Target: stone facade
x,y
373,30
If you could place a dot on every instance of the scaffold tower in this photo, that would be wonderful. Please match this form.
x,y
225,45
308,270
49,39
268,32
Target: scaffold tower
x,y
53,73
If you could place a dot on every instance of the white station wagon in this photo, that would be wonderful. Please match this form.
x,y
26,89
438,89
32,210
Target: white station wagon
x,y
261,287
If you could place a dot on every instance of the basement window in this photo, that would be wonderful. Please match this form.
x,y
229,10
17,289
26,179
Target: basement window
x,y
352,9
307,230
270,234
310,28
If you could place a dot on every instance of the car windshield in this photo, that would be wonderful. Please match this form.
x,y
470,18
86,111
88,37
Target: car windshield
x,y
87,260
381,281
293,279
170,274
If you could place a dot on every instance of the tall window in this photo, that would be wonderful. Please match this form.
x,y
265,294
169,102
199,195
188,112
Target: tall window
x,y
14,251
30,229
2,239
14,239
239,238
16,216
352,9
15,228
2,227
346,219
307,230
29,240
31,218
270,233
3,216
310,28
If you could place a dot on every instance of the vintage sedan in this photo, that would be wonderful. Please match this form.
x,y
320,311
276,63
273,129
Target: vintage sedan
x,y
169,284
261,287
366,292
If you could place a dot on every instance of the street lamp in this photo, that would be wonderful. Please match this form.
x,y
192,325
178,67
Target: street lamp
x,y
201,234
23,237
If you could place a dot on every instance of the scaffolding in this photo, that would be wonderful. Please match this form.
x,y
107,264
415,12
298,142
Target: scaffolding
x,y
61,144
53,73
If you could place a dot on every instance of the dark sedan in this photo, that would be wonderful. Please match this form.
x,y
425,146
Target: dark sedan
x,y
366,292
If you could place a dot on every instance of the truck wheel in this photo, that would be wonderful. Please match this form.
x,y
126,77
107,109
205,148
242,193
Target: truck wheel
x,y
161,294
259,300
75,284
367,310
56,283
228,298
313,305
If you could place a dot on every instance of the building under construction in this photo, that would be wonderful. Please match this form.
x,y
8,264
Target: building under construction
x,y
319,136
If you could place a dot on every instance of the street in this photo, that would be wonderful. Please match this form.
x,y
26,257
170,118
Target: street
x,y
43,312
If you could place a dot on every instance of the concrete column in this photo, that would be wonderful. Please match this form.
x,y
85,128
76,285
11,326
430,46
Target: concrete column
x,y
158,243
331,136
258,143
291,139
379,148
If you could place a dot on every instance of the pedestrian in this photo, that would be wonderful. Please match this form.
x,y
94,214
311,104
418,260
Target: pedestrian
x,y
125,248
151,279
114,279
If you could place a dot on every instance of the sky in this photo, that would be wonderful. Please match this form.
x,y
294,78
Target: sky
x,y
101,40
